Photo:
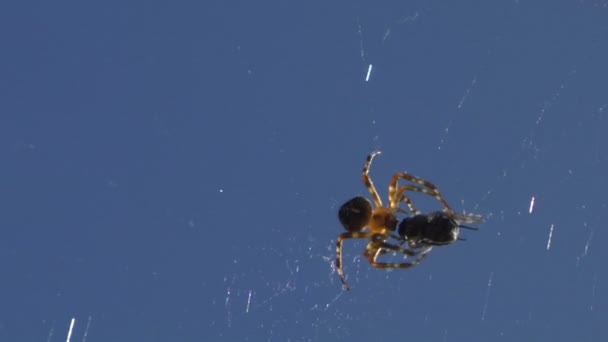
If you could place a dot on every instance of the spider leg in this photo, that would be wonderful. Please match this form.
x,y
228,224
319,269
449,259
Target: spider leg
x,y
392,197
408,201
390,265
400,193
429,190
368,182
339,242
403,211
397,195
378,247
385,247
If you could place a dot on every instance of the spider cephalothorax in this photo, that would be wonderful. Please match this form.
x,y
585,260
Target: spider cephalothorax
x,y
362,221
357,213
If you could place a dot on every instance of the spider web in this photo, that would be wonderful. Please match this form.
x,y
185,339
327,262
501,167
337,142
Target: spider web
x,y
213,215
531,162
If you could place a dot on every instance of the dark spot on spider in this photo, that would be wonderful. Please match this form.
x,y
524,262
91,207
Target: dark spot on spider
x,y
435,229
355,214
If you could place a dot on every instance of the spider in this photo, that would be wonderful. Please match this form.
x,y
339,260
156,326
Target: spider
x,y
357,214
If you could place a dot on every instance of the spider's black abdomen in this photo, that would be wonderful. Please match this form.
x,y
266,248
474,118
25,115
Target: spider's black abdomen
x,y
412,227
355,214
434,229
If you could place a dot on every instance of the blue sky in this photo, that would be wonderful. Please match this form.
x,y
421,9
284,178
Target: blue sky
x,y
173,171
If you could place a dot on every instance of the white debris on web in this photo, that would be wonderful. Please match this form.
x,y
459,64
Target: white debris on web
x,y
51,331
248,302
587,244
325,307
386,34
369,71
446,130
531,205
409,18
593,287
467,92
554,98
228,315
485,304
360,33
86,330
586,249
550,236
70,330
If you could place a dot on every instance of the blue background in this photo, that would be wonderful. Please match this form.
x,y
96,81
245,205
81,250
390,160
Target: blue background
x,y
171,171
